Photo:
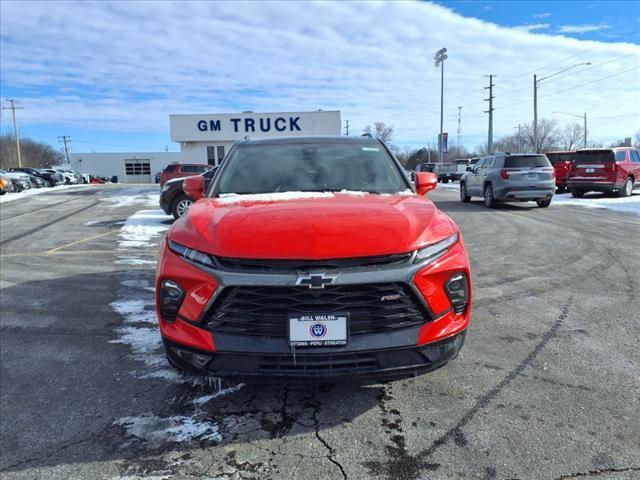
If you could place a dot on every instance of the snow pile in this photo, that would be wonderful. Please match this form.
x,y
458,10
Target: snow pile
x,y
622,204
10,197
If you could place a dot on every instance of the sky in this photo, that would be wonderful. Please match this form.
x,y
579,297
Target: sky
x,y
108,74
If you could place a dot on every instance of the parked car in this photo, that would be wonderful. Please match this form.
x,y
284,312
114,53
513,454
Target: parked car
x,y
174,201
462,164
561,161
6,185
48,178
36,181
288,268
180,170
610,170
425,167
71,177
510,177
21,181
445,172
59,178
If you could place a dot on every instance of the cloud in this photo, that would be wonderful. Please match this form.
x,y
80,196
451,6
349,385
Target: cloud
x,y
125,66
583,28
542,15
533,27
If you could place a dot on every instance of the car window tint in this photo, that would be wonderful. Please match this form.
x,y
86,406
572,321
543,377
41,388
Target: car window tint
x,y
635,156
170,168
621,155
526,161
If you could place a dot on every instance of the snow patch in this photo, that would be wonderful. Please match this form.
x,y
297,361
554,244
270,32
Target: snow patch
x,y
131,198
221,392
135,310
141,228
623,204
155,431
10,197
229,198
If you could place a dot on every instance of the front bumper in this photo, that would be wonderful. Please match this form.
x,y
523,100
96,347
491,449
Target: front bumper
x,y
311,363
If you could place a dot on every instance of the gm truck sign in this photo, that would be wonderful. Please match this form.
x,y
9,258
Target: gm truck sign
x,y
231,127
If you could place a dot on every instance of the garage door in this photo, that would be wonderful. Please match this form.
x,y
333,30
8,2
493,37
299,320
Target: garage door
x,y
137,170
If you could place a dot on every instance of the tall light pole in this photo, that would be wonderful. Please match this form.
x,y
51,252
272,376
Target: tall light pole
x,y
16,134
536,81
440,57
584,117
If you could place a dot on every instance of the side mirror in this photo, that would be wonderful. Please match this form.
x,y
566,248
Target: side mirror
x,y
425,182
194,187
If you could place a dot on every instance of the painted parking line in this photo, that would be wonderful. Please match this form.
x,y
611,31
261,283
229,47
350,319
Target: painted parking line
x,y
77,242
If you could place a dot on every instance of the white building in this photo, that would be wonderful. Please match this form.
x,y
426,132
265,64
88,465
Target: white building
x,y
206,139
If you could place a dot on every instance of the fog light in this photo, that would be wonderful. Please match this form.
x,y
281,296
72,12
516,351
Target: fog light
x,y
171,296
457,289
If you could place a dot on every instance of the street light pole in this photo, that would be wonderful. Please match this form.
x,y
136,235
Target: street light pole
x,y
584,118
536,81
440,57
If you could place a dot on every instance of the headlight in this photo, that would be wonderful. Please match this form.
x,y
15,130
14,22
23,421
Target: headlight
x,y
191,254
458,292
436,250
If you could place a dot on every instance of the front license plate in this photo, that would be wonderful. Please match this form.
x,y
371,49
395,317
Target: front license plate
x,y
318,330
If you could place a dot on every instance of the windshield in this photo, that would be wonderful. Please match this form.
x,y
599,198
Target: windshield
x,y
526,161
560,157
310,167
595,156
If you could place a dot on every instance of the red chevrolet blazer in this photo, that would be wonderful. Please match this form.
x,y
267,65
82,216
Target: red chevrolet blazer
x,y
312,257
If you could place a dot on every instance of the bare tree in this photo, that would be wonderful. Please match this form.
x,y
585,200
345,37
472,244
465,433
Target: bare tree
x,y
572,136
380,130
34,154
547,135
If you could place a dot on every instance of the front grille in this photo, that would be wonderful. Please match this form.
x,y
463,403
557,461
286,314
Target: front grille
x,y
318,364
289,265
263,311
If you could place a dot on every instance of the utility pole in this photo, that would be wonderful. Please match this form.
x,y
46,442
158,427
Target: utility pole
x,y
64,139
519,138
346,127
440,57
490,112
584,119
16,135
585,129
459,125
535,113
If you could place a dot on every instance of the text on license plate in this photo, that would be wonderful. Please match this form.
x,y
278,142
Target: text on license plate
x,y
318,330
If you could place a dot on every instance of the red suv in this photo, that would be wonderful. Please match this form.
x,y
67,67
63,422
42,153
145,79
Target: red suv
x,y
312,257
178,170
561,162
609,170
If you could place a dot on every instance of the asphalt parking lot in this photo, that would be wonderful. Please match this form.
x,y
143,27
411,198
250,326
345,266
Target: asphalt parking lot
x,y
546,387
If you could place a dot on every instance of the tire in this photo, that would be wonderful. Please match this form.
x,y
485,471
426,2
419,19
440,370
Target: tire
x,y
463,193
543,202
180,206
627,189
561,189
445,180
489,199
577,193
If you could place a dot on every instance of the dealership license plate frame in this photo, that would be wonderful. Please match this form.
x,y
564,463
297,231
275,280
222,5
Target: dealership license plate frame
x,y
299,329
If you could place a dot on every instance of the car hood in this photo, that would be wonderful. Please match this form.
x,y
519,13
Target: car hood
x,y
310,226
17,176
